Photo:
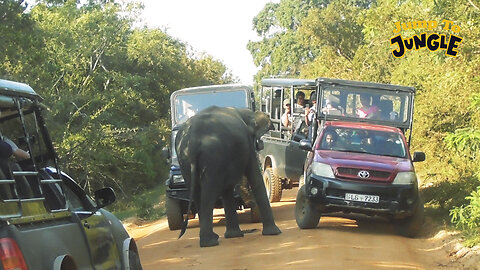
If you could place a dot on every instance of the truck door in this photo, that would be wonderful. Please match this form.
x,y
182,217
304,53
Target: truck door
x,y
103,250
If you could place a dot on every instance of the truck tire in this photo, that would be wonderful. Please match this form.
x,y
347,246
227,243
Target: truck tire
x,y
273,185
412,225
174,214
134,260
306,215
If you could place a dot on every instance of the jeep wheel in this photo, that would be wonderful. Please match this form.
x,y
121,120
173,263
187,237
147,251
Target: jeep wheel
x,y
273,185
412,225
306,215
174,214
134,260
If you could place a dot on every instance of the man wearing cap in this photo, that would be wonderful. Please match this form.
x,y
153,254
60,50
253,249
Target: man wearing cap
x,y
287,115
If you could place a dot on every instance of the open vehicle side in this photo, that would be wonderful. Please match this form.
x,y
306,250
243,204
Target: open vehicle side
x,y
47,221
282,159
360,160
184,104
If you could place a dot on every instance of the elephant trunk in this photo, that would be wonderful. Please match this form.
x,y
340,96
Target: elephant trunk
x,y
193,180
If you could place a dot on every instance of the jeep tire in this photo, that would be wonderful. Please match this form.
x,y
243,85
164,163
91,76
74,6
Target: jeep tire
x,y
412,225
306,215
273,185
174,214
134,260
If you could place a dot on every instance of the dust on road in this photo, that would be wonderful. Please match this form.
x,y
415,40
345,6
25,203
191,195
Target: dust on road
x,y
337,243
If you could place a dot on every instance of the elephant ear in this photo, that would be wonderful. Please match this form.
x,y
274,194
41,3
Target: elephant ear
x,y
262,124
258,123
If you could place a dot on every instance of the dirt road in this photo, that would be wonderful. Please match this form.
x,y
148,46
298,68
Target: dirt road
x,y
337,243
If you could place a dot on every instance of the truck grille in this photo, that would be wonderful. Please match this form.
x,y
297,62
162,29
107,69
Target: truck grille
x,y
352,173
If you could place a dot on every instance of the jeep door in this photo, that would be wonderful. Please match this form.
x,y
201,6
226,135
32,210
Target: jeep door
x,y
94,225
103,249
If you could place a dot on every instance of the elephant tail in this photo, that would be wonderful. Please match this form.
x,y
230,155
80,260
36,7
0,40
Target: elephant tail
x,y
193,179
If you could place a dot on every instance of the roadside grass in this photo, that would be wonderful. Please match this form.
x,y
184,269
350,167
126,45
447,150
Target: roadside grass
x,y
147,206
455,206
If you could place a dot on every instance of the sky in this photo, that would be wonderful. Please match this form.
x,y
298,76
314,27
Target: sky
x,y
221,28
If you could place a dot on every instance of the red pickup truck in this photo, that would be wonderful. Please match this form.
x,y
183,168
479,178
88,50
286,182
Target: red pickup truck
x,y
361,163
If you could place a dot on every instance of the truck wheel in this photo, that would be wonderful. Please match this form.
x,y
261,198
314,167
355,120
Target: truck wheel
x,y
174,214
273,185
306,215
412,225
134,260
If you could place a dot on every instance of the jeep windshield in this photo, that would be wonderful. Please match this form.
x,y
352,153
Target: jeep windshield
x,y
374,142
382,104
188,102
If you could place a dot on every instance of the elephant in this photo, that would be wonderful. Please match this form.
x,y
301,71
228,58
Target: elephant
x,y
216,148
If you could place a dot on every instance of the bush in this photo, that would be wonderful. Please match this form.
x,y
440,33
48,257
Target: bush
x,y
467,218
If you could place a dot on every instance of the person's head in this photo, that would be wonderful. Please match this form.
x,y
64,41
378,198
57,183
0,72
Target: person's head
x,y
313,98
365,99
300,96
287,104
330,139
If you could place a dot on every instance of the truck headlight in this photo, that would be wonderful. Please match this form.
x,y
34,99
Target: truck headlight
x,y
322,169
177,179
405,178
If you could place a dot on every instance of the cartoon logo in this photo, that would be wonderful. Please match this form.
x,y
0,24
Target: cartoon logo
x,y
432,42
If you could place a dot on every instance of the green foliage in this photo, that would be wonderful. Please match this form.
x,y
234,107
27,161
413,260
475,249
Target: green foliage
x,y
467,218
106,85
148,205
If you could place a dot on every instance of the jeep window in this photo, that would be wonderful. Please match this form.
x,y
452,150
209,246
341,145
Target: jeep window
x,y
354,140
378,105
11,127
189,104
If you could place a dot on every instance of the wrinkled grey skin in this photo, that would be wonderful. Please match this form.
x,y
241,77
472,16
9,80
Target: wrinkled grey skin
x,y
215,149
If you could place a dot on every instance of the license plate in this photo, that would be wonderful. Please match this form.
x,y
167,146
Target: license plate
x,y
362,198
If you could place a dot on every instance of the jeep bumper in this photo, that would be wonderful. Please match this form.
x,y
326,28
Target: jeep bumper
x,y
395,201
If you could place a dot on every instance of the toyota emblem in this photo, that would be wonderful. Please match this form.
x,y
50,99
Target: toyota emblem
x,y
363,174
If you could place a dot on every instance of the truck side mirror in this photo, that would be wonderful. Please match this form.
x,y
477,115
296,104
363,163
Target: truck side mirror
x,y
418,156
104,197
305,144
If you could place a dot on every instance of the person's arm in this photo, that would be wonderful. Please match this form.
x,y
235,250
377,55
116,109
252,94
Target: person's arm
x,y
285,120
19,153
5,149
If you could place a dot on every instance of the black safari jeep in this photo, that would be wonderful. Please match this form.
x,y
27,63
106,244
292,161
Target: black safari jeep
x,y
281,158
360,160
47,221
184,104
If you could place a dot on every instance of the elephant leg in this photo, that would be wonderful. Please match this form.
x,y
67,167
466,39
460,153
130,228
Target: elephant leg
x,y
254,177
233,230
205,214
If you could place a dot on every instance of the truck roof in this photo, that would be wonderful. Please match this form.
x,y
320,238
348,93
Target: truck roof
x,y
376,86
285,82
12,88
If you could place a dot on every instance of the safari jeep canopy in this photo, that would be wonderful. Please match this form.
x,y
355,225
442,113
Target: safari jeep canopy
x,y
392,105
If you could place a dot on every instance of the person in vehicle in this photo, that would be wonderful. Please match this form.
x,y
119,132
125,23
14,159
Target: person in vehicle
x,y
367,110
300,105
330,141
287,115
312,110
8,147
331,108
